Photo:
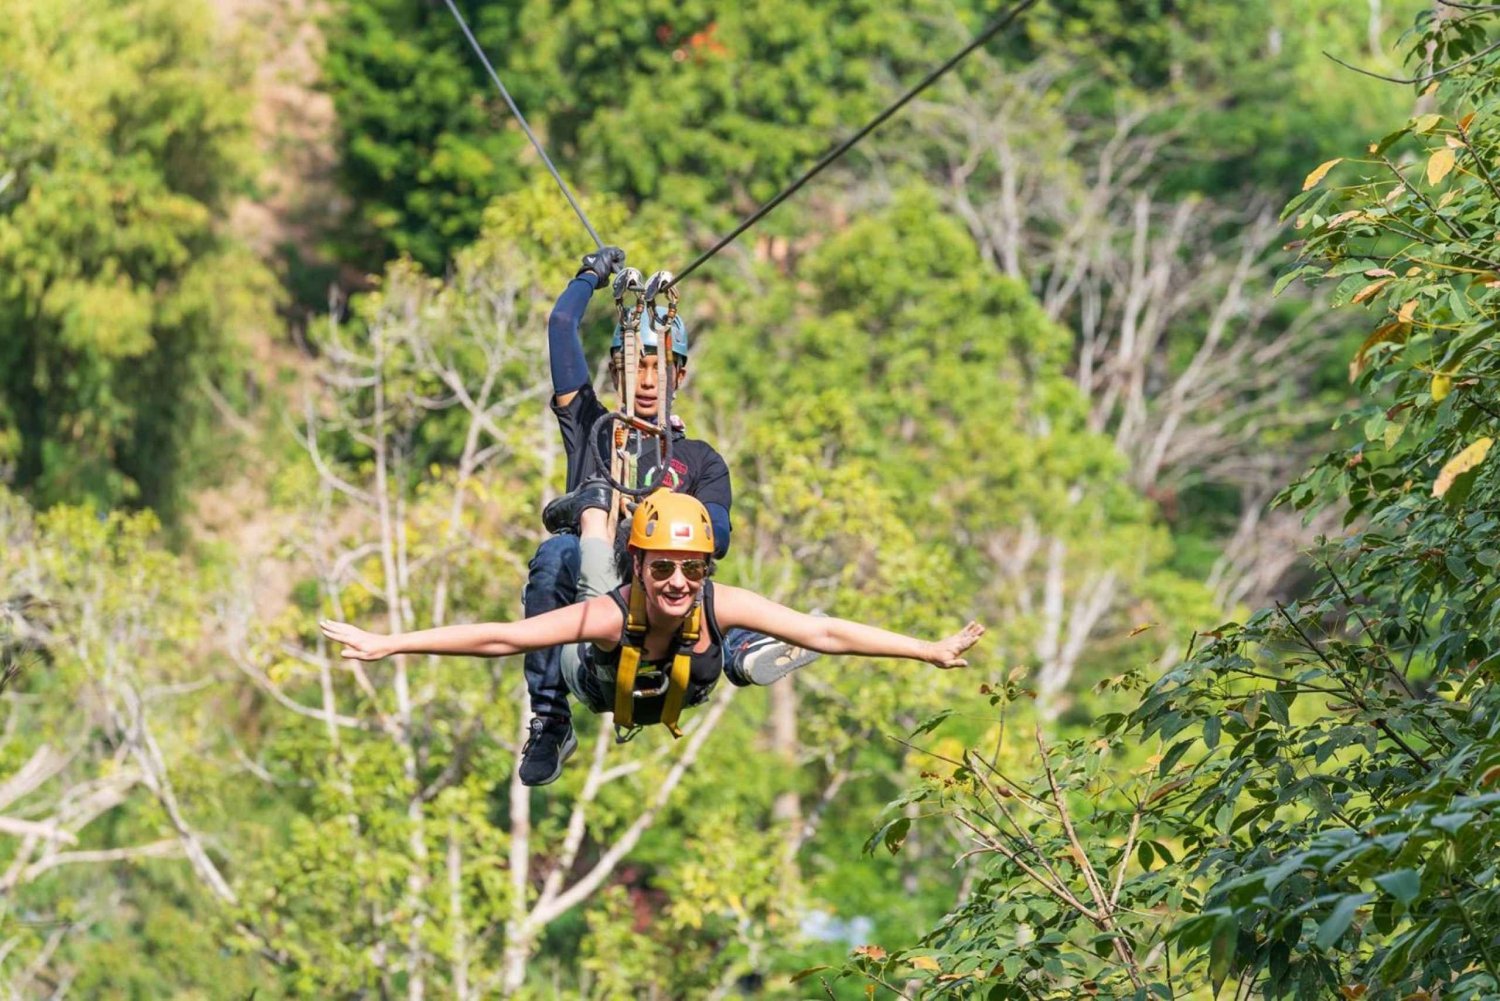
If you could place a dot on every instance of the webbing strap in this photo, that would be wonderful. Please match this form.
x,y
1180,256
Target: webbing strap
x,y
630,657
630,662
682,663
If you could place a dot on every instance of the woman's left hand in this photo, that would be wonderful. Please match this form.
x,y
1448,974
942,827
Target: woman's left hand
x,y
358,644
948,653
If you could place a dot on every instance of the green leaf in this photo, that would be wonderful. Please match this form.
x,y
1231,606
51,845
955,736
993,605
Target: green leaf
x,y
932,722
1339,919
802,975
1276,708
895,834
1293,275
1403,884
1221,950
1452,822
1388,140
1174,755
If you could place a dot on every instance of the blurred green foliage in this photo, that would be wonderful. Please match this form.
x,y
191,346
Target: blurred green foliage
x,y
902,423
123,139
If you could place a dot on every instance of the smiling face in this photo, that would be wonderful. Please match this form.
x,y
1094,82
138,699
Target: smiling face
x,y
647,382
674,596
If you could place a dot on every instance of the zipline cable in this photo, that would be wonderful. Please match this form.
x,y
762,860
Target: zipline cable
x,y
999,25
568,194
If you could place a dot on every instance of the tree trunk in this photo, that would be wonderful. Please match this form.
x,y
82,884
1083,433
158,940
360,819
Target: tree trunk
x,y
787,809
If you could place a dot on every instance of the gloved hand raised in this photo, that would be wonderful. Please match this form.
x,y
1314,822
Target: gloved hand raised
x,y
602,263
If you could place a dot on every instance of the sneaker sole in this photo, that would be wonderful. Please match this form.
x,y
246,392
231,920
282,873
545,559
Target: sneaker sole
x,y
767,670
563,754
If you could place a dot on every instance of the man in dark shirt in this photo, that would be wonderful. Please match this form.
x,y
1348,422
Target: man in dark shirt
x,y
695,468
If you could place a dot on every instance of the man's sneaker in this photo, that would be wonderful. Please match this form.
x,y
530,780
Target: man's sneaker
x,y
562,514
766,660
550,744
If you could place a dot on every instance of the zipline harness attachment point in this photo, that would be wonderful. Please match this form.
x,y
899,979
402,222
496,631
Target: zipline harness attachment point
x,y
635,303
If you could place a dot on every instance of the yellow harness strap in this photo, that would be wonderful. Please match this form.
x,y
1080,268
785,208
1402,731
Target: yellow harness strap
x,y
630,662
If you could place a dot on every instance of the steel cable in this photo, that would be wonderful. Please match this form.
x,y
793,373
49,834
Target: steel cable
x,y
567,193
997,26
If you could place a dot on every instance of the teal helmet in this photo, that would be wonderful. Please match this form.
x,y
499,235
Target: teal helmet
x,y
649,334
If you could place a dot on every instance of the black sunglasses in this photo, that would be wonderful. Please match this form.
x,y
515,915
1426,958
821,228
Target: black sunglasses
x,y
694,570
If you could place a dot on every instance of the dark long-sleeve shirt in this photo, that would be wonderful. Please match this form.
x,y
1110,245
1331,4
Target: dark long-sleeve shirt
x,y
695,469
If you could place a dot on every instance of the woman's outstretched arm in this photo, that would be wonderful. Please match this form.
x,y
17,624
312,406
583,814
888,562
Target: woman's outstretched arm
x,y
735,606
596,620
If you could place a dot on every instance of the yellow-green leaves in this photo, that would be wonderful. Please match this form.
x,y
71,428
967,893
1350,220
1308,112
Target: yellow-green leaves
x,y
1460,464
1395,331
1439,164
1370,291
1442,385
1319,172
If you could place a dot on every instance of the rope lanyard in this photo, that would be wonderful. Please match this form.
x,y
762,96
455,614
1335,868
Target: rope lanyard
x,y
997,26
567,193
636,303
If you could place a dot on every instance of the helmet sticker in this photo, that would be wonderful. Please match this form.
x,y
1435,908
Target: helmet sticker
x,y
682,531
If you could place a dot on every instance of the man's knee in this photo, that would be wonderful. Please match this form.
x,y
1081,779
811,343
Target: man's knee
x,y
553,576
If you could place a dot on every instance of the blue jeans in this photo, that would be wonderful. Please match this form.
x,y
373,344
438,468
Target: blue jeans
x,y
735,642
551,584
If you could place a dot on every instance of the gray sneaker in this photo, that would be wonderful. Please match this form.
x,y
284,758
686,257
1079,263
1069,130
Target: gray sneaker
x,y
767,660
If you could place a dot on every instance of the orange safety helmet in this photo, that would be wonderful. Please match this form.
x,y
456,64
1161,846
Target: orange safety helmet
x,y
671,521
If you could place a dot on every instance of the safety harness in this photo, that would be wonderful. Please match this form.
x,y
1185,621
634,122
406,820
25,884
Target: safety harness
x,y
635,302
675,682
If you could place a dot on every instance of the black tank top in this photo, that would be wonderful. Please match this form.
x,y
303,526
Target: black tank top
x,y
703,673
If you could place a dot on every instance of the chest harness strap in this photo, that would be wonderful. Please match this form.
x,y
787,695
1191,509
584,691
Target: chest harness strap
x,y
676,682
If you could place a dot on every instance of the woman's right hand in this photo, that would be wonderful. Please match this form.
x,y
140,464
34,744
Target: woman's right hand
x,y
947,653
358,644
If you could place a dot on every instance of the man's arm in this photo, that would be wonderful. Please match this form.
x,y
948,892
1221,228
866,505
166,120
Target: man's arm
x,y
714,492
570,369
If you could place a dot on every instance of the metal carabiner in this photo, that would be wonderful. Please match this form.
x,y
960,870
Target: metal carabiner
x,y
656,286
628,284
628,280
648,693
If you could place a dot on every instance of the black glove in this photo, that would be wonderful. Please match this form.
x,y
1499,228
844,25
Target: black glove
x,y
601,264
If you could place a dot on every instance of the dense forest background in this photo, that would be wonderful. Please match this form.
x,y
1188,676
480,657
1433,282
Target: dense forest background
x,y
1153,337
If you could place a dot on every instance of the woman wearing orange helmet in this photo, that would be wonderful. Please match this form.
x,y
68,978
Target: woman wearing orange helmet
x,y
662,633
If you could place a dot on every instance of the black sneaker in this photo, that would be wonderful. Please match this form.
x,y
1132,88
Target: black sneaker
x,y
562,514
550,744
